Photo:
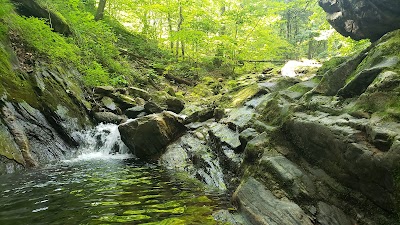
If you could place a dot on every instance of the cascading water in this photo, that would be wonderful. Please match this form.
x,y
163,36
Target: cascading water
x,y
102,142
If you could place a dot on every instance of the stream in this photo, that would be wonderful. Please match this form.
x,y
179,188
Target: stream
x,y
96,187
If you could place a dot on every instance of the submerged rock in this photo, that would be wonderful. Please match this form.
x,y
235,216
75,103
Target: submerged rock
x,y
148,136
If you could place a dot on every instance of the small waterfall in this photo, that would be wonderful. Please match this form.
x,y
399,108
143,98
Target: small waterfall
x,y
102,141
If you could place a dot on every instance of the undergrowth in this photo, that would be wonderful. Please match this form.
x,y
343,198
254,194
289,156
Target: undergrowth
x,y
94,48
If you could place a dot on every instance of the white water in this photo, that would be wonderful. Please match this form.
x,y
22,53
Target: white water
x,y
289,69
100,142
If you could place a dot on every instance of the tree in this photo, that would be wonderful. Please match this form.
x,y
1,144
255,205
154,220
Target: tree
x,y
100,10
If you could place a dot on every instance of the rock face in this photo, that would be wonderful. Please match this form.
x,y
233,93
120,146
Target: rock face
x,y
147,137
39,117
362,19
261,207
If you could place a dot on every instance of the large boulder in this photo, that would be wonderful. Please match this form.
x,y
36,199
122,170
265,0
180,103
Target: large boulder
x,y
147,137
362,19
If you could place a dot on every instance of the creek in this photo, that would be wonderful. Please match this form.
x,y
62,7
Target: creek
x,y
96,187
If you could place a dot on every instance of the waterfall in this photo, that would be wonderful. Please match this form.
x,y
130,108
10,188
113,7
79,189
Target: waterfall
x,y
100,142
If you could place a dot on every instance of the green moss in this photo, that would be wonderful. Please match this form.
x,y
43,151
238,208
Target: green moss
x,y
245,94
275,111
331,64
8,148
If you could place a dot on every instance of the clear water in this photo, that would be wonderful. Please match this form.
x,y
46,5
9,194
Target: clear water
x,y
99,188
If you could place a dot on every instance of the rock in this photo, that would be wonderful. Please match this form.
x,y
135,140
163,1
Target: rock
x,y
191,155
219,113
256,147
331,215
289,175
277,84
109,103
225,135
148,136
152,107
137,92
108,117
175,105
140,101
199,115
335,78
104,90
260,206
226,217
365,77
246,135
339,145
361,19
133,112
239,118
124,101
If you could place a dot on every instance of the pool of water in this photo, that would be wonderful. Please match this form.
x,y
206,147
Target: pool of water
x,y
104,191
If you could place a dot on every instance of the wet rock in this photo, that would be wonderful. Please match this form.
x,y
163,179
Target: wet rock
x,y
152,107
260,206
247,135
339,145
255,148
199,115
225,216
239,118
148,136
331,215
137,92
191,155
225,135
362,19
109,103
108,117
133,112
275,85
289,175
175,105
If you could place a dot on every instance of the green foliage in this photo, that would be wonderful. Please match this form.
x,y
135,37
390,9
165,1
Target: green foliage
x,y
38,34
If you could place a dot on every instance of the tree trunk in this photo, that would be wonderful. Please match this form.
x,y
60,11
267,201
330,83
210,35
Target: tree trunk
x,y
183,49
100,10
178,29
170,32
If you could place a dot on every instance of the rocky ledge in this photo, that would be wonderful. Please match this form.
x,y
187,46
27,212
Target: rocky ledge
x,y
362,19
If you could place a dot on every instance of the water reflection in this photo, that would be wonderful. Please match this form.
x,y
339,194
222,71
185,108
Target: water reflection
x,y
117,191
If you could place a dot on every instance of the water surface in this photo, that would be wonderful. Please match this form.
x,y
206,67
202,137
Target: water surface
x,y
104,191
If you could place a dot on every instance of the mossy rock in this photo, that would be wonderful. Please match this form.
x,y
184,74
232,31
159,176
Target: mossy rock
x,y
8,147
